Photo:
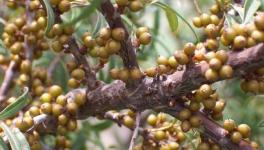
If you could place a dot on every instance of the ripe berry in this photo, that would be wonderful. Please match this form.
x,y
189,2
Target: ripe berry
x,y
259,21
226,72
236,137
214,9
189,49
55,91
88,41
244,130
215,64
219,106
173,146
252,86
128,121
152,120
72,125
162,60
229,34
184,114
160,135
145,38
57,109
173,62
62,119
211,75
64,5
72,108
181,57
34,111
258,36
105,33
194,106
222,56
141,30
135,5
215,19
61,100
118,34
211,44
113,47
46,97
185,126
211,31
114,73
46,108
195,121
229,125
209,104
205,19
121,2
124,74
151,72
135,74
80,99
78,74
197,22
203,146
56,46
240,42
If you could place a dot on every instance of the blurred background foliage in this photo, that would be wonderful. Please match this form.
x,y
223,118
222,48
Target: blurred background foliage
x,y
95,134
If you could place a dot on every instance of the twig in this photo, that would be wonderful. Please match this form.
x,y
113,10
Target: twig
x,y
135,132
197,7
29,48
8,79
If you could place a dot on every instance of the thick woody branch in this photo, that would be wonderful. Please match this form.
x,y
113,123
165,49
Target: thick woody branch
x,y
7,81
114,20
155,94
152,93
211,130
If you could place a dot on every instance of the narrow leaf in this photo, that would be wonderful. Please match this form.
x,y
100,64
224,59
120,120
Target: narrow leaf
x,y
240,12
13,108
3,145
86,11
171,15
50,13
164,7
98,25
16,139
250,8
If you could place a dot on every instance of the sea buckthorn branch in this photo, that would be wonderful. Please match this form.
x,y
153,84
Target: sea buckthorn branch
x,y
151,94
90,76
115,96
212,130
29,47
114,20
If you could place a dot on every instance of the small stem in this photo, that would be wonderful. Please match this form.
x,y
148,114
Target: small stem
x,y
197,7
135,132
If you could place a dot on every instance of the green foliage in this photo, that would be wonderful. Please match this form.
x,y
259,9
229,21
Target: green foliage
x,y
50,13
16,138
79,13
13,108
250,8
172,18
3,145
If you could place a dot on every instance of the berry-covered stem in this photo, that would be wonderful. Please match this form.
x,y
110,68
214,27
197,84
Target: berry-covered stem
x,y
114,20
